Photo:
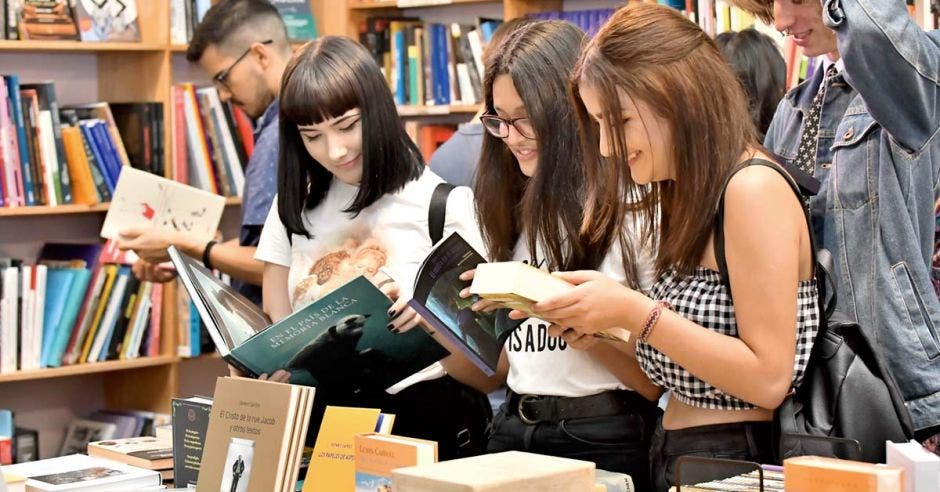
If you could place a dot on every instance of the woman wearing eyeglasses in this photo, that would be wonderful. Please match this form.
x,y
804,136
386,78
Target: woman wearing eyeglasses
x,y
568,396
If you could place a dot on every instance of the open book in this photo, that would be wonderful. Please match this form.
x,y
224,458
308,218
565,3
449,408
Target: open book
x,y
339,340
144,199
518,285
480,336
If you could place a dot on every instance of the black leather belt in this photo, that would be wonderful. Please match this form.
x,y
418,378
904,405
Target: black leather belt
x,y
533,409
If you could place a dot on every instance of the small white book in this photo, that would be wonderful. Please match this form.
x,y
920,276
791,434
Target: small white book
x,y
78,472
145,199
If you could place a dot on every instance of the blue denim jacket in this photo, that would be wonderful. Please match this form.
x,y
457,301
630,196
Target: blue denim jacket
x,y
878,160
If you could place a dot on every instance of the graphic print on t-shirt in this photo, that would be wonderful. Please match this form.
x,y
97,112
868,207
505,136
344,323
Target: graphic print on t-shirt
x,y
337,262
533,337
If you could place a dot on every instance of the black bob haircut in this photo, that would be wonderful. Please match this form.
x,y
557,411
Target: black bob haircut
x,y
325,79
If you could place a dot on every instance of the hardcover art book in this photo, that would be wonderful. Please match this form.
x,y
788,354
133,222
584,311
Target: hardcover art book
x,y
337,340
141,198
480,336
77,472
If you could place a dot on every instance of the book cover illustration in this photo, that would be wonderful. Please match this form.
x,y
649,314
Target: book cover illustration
x,y
142,199
107,20
82,432
46,19
338,341
436,297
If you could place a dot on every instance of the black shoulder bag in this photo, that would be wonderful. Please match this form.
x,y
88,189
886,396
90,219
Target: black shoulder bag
x,y
847,392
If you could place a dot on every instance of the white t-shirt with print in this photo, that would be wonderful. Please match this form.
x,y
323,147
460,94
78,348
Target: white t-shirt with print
x,y
543,365
391,234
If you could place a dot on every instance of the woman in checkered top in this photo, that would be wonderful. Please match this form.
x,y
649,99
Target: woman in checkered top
x,y
658,101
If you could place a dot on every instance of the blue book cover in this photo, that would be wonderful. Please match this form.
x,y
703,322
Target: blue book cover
x,y
73,304
107,148
92,142
111,314
441,74
58,284
16,111
400,52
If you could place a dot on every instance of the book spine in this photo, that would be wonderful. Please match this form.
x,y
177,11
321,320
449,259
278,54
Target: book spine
x,y
16,111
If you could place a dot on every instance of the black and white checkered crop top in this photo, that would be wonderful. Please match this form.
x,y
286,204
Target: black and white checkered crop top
x,y
703,299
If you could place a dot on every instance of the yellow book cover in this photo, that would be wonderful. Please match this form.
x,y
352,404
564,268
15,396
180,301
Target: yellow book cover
x,y
378,454
332,466
818,474
251,442
110,272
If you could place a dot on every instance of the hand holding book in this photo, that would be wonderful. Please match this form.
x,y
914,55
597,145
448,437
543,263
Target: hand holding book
x,y
587,302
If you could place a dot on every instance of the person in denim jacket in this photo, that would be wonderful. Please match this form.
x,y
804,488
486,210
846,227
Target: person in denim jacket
x,y
877,160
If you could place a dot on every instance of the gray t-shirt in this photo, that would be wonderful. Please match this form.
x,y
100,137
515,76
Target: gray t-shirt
x,y
456,160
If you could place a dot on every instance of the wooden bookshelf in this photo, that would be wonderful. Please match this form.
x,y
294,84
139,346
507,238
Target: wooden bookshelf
x,y
88,368
76,209
438,110
76,46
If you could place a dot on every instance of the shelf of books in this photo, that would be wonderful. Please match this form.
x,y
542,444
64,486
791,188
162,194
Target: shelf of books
x,y
89,368
76,46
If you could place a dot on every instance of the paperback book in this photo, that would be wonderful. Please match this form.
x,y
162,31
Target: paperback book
x,y
336,341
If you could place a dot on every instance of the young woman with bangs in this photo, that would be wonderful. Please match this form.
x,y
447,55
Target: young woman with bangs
x,y
569,395
353,198
657,100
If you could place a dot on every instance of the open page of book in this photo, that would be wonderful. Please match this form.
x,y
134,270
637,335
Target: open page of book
x,y
142,199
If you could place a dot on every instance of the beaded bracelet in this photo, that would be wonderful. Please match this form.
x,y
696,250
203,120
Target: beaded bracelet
x,y
652,319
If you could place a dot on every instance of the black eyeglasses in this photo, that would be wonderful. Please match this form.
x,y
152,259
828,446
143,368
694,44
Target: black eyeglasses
x,y
220,78
499,127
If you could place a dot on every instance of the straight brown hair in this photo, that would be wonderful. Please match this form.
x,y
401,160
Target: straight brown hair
x,y
654,54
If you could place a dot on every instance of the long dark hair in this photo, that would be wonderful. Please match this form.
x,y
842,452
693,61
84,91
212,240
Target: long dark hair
x,y
757,62
654,54
324,80
548,206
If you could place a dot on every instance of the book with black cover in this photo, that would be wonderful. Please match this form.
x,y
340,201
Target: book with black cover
x,y
338,341
436,298
190,423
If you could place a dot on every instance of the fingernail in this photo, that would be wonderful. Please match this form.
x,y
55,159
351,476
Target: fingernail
x,y
390,327
392,313
395,331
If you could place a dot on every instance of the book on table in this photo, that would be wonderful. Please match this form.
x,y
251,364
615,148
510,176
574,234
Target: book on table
x,y
338,339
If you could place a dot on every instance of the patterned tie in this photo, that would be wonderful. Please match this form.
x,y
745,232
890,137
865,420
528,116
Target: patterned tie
x,y
806,157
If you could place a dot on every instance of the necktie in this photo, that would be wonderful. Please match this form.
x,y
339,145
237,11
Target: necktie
x,y
806,156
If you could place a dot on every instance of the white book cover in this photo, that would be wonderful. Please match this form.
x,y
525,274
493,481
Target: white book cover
x,y
50,160
78,472
9,320
144,199
34,292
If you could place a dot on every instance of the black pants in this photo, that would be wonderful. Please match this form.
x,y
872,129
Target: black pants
x,y
618,443
749,441
442,410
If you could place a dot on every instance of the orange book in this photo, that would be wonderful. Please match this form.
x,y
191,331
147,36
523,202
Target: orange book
x,y
378,454
83,188
818,474
430,137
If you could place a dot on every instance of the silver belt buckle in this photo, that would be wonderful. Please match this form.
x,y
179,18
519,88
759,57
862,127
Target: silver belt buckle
x,y
521,412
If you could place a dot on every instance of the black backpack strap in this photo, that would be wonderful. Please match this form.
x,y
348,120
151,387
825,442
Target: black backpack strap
x,y
822,272
437,211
